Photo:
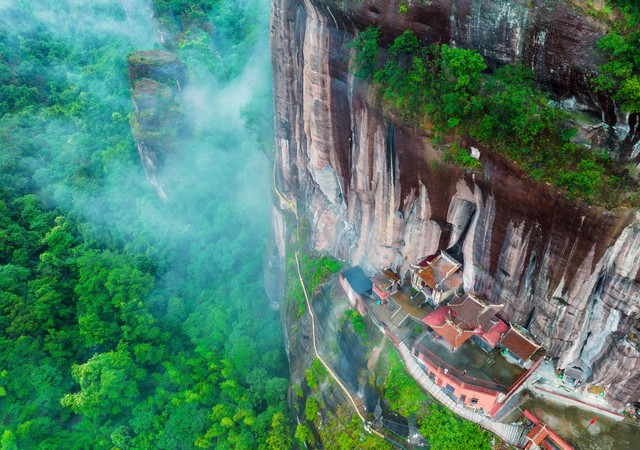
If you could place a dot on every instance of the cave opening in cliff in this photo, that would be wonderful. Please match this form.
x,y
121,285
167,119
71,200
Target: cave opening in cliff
x,y
463,213
390,144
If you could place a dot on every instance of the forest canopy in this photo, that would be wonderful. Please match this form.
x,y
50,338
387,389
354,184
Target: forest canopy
x,y
127,321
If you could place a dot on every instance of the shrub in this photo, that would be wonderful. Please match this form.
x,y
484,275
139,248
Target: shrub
x,y
462,158
446,432
366,50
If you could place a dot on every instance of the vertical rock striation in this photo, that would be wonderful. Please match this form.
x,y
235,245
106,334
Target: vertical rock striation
x,y
376,193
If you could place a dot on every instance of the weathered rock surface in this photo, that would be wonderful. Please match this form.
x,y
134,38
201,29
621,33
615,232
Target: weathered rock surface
x,y
155,79
163,67
376,193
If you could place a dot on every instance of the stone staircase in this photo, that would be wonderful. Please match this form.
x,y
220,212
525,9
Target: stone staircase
x,y
510,433
399,318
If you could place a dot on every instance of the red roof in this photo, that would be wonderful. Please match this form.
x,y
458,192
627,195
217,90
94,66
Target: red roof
x,y
519,343
443,322
538,433
437,317
476,311
495,329
383,294
542,434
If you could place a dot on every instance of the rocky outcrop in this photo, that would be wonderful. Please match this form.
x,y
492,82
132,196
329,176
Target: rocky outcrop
x,y
376,192
155,78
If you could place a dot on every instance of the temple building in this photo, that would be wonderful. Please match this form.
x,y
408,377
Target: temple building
x,y
438,277
385,284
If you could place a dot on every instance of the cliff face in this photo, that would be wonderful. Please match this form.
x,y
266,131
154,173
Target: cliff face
x,y
376,193
155,78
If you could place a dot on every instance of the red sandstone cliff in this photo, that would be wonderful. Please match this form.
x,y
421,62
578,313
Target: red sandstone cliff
x,y
376,193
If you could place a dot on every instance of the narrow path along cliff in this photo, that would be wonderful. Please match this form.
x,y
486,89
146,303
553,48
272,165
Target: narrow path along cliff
x,y
355,402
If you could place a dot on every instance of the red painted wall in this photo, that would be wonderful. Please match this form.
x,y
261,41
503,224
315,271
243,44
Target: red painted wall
x,y
486,398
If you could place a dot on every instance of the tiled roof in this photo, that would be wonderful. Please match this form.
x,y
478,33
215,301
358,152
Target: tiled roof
x,y
519,343
443,321
391,275
427,260
441,272
436,280
538,434
495,329
385,279
437,317
474,310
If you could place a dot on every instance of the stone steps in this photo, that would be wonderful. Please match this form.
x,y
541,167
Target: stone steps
x,y
512,434
399,318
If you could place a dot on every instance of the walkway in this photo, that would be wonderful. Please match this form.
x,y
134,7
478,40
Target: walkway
x,y
512,434
548,383
567,400
404,302
356,402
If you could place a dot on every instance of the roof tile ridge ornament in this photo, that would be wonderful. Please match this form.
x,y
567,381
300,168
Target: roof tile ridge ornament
x,y
487,308
450,320
453,324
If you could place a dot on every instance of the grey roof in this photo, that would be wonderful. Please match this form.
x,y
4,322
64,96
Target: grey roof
x,y
358,281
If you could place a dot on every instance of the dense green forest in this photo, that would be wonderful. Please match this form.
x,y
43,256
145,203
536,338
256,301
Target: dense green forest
x,y
127,321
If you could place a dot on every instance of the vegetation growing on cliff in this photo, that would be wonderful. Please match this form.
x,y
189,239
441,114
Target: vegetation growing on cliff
x,y
402,391
340,429
620,76
315,272
437,424
450,91
446,432
125,321
344,431
357,322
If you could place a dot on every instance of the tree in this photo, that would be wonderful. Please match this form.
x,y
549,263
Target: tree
x,y
402,76
109,384
366,49
279,435
629,94
304,435
620,76
8,441
115,302
445,432
458,84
